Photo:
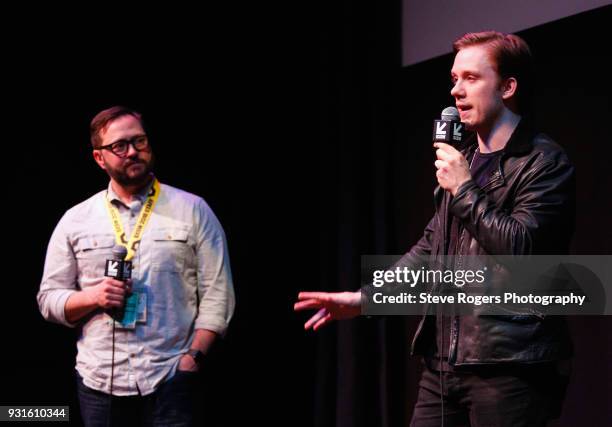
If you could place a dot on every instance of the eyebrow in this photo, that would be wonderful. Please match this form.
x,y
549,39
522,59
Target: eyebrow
x,y
464,72
129,139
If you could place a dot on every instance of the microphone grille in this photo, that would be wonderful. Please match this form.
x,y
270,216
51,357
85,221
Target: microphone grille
x,y
119,252
450,113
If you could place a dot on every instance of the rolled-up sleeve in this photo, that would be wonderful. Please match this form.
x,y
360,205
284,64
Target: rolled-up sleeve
x,y
215,286
59,279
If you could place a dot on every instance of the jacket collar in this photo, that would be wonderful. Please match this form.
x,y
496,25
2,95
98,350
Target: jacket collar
x,y
520,141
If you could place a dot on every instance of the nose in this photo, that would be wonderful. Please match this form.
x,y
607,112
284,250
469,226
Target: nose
x,y
131,150
457,89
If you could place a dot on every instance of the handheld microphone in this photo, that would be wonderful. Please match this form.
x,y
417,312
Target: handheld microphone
x,y
449,128
120,269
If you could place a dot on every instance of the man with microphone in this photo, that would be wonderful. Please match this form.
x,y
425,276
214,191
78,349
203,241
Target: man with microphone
x,y
143,339
507,191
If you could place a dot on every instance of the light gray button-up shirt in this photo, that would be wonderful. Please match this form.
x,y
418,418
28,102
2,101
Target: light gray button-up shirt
x,y
182,264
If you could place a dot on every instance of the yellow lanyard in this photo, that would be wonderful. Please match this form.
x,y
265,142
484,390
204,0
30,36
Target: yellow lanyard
x,y
145,214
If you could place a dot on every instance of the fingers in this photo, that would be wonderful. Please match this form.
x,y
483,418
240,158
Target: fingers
x,y
448,153
115,285
439,164
443,155
316,318
113,292
323,321
127,284
324,296
113,301
307,305
445,148
113,296
186,363
447,157
108,300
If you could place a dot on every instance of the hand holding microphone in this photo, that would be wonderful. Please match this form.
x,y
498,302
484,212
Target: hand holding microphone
x,y
112,291
452,167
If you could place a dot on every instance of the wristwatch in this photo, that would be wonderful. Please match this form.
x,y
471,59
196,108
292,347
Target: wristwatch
x,y
197,355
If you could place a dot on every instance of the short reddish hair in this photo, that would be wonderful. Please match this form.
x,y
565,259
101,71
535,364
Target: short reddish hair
x,y
101,121
512,58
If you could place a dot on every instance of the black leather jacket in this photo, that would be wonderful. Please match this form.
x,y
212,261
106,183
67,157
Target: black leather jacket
x,y
526,207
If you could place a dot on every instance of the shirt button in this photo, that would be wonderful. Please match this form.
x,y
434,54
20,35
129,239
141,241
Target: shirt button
x,y
132,355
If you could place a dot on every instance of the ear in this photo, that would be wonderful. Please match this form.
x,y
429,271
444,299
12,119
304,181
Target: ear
x,y
97,155
508,88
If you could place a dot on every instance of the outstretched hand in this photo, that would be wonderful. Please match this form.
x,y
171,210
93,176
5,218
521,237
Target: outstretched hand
x,y
331,305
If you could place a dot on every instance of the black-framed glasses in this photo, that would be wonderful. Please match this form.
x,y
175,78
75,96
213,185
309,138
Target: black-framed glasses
x,y
120,148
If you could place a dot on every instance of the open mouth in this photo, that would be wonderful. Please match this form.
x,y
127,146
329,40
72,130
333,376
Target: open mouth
x,y
463,108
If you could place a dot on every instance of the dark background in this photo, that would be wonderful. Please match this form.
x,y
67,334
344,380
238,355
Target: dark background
x,y
216,89
312,145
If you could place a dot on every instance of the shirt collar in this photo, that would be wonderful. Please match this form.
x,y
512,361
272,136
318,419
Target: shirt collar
x,y
141,196
520,141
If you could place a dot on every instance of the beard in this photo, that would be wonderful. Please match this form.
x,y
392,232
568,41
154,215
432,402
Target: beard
x,y
134,173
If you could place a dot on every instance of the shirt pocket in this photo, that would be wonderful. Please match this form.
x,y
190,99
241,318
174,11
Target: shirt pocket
x,y
92,251
169,249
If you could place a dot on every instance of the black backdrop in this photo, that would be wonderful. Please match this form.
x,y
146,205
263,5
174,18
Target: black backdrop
x,y
214,87
311,144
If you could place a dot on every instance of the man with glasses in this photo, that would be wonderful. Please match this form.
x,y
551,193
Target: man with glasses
x,y
180,289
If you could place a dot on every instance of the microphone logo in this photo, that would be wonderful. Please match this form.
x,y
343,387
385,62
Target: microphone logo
x,y
449,128
457,128
118,268
441,129
112,268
